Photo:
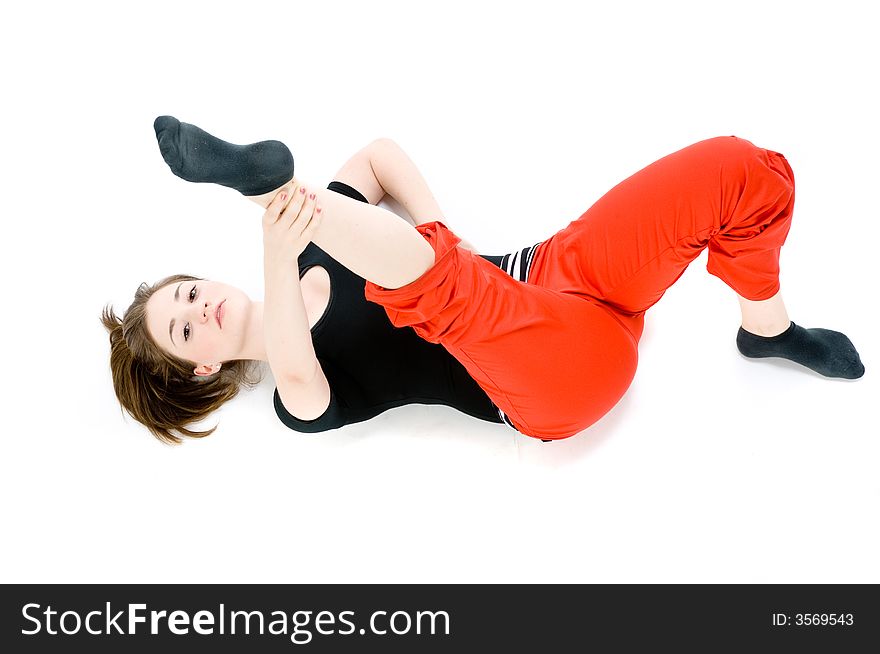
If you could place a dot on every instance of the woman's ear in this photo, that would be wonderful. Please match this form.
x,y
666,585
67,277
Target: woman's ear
x,y
204,370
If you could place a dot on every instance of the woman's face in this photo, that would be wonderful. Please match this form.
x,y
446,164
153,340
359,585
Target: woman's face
x,y
200,321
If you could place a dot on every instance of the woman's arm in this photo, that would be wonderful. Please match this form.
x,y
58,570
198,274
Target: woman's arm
x,y
288,338
302,386
397,175
381,168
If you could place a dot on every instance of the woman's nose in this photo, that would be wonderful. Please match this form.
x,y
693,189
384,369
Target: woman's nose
x,y
205,311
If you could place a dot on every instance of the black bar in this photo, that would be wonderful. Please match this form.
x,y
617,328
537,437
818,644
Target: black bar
x,y
544,618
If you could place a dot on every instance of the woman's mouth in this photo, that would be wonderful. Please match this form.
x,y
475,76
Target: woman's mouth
x,y
218,314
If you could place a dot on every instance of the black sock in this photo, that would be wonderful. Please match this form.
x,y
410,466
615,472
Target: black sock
x,y
196,156
827,352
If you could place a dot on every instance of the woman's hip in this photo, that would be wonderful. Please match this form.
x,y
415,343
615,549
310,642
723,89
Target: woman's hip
x,y
558,372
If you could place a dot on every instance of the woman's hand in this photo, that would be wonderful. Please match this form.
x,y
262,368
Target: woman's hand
x,y
289,223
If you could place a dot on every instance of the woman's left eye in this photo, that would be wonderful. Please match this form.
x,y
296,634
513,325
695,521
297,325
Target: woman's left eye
x,y
192,294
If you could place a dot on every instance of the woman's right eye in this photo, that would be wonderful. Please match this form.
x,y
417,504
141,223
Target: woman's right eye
x,y
186,332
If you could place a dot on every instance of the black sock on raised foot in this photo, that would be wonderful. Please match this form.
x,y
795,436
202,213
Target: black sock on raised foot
x,y
827,352
196,156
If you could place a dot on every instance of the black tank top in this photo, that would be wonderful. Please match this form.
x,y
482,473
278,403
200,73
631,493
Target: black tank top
x,y
371,365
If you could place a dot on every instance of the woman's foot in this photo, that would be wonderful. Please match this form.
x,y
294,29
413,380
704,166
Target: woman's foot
x,y
827,352
196,156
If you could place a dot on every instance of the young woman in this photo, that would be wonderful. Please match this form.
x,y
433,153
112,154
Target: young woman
x,y
543,339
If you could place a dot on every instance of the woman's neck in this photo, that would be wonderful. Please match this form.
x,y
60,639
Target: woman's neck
x,y
254,346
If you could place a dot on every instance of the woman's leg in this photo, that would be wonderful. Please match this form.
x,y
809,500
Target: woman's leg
x,y
764,317
368,240
372,242
724,194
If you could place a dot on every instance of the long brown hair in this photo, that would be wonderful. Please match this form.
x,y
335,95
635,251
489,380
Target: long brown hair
x,y
159,390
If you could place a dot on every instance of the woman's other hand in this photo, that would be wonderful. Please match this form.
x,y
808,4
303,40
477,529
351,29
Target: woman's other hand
x,y
289,224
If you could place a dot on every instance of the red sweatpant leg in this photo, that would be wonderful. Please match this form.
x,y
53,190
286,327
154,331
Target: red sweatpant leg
x,y
554,363
636,241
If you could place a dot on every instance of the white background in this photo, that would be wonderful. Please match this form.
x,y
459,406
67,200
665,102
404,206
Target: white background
x,y
520,115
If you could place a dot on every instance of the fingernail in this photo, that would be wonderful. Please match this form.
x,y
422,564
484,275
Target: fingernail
x,y
318,210
311,196
282,197
302,189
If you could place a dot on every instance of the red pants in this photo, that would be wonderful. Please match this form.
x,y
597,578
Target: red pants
x,y
558,352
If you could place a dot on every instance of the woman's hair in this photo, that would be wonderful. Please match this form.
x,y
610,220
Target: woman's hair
x,y
159,390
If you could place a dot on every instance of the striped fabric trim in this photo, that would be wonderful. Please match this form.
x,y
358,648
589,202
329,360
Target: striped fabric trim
x,y
505,419
519,264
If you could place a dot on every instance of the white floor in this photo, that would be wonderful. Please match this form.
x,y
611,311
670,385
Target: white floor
x,y
712,468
